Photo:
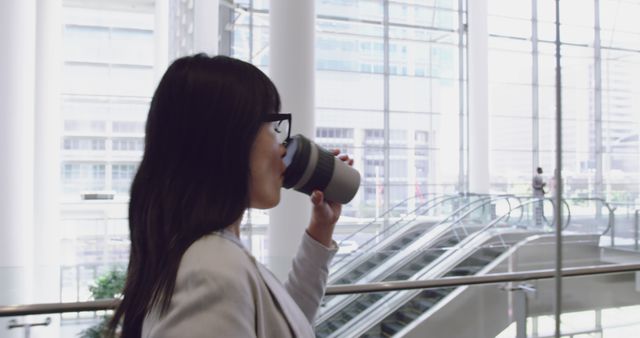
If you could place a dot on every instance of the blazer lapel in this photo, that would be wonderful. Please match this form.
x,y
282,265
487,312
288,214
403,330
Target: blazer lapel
x,y
297,321
294,316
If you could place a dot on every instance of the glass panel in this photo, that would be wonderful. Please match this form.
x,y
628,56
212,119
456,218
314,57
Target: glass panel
x,y
355,91
510,61
510,100
420,312
618,20
423,15
361,9
576,29
86,43
132,46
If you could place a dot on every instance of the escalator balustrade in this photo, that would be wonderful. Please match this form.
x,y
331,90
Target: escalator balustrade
x,y
426,299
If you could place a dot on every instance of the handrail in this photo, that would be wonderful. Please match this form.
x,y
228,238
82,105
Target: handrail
x,y
495,221
611,223
377,218
483,279
635,226
430,207
564,200
532,198
457,219
444,197
110,304
45,308
469,212
442,227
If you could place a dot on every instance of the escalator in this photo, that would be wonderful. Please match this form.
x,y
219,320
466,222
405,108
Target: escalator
x,y
416,313
405,271
455,252
426,299
385,314
364,301
381,255
380,248
400,259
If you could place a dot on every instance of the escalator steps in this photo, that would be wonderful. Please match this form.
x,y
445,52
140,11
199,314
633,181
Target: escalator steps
x,y
391,327
423,304
350,311
461,271
407,316
411,310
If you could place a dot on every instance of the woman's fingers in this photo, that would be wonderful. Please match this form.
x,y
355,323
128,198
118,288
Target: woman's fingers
x,y
343,157
317,197
346,158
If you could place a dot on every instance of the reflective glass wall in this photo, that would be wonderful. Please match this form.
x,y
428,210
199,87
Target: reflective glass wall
x,y
388,92
600,89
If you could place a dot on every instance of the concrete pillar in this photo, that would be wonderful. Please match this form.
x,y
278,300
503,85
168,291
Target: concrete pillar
x,y
205,26
17,94
47,147
292,69
46,274
161,38
478,63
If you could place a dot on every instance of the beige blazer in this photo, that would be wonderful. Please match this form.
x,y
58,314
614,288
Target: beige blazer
x,y
222,291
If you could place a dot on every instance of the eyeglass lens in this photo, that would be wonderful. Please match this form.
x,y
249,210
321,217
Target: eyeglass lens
x,y
282,130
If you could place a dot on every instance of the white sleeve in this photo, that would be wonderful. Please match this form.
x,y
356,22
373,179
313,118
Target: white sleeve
x,y
307,279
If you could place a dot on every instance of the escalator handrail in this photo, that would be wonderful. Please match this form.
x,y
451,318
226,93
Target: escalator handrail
x,y
498,219
500,197
444,199
395,224
485,230
444,263
610,209
413,287
376,219
336,274
446,257
566,224
483,197
484,200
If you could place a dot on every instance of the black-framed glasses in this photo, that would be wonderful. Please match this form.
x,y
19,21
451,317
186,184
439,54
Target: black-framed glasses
x,y
281,124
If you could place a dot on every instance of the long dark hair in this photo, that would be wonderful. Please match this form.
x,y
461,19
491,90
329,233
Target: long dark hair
x,y
194,175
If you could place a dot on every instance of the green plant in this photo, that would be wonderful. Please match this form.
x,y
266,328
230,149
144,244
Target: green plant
x,y
107,286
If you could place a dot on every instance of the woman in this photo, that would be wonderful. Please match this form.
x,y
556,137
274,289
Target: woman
x,y
213,149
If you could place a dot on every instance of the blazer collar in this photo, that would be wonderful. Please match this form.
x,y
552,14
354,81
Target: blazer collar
x,y
296,319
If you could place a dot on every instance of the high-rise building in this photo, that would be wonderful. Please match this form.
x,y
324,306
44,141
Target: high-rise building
x,y
108,74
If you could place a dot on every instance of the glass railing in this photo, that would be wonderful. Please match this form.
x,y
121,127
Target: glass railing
x,y
383,226
500,216
467,249
415,235
82,324
491,305
499,307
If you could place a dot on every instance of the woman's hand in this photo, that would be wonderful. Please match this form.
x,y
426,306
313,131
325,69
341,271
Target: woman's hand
x,y
325,214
